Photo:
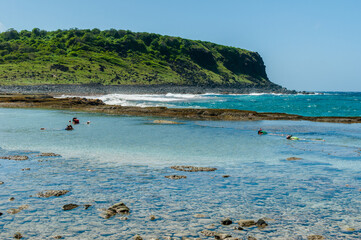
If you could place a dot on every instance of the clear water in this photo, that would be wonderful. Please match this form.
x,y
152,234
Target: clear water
x,y
320,104
130,156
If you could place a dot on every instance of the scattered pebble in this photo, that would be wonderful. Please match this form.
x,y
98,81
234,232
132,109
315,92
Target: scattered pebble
x,y
152,217
11,199
226,176
25,169
251,238
58,237
123,218
238,228
1,183
193,169
137,237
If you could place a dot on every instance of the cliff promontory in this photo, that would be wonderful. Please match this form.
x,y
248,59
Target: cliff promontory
x,y
119,57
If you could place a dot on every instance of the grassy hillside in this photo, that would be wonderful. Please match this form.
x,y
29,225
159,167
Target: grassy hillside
x,y
116,57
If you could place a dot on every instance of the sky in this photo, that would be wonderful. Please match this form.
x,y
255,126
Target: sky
x,y
306,45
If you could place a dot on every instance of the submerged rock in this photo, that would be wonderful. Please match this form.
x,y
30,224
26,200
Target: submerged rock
x,y
1,213
222,236
1,183
18,235
48,155
70,206
226,221
251,238
193,169
165,122
119,208
17,210
137,237
52,193
199,216
293,159
16,158
25,169
86,206
152,217
11,199
226,176
315,237
261,223
208,233
175,177
246,222
58,237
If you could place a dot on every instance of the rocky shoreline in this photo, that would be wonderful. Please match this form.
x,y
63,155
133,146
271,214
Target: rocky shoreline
x,y
93,89
45,101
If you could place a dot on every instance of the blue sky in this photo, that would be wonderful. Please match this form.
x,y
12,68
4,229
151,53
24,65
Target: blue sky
x,y
306,45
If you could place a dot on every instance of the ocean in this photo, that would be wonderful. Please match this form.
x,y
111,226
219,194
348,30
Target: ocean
x,y
125,159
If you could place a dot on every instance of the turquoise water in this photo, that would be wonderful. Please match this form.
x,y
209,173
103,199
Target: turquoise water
x,y
320,104
130,156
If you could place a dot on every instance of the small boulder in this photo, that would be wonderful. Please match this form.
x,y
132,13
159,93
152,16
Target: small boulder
x,y
175,177
119,208
226,221
52,193
293,159
16,157
225,176
1,183
251,238
1,213
199,216
222,236
238,228
25,169
70,206
11,199
246,222
208,233
165,122
152,217
58,237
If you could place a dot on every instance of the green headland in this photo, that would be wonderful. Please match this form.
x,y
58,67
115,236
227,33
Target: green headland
x,y
119,57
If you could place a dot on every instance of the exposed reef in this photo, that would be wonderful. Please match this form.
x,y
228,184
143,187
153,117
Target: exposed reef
x,y
89,105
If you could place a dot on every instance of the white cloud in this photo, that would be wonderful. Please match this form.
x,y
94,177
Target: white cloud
x,y
2,27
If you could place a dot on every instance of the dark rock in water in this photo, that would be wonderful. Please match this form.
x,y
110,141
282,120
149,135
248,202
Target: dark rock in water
x,y
70,206
226,221
25,169
1,213
17,210
261,223
175,177
315,237
226,176
152,217
18,235
52,193
222,236
238,228
1,183
86,206
293,159
16,158
119,208
193,169
58,237
48,155
246,222
137,237
11,199
251,238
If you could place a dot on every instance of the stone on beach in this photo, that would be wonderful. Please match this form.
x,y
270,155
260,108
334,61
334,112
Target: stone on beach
x,y
246,222
16,157
70,206
52,193
193,169
175,177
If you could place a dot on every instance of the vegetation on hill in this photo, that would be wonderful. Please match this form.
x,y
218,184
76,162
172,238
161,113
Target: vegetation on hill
x,y
115,57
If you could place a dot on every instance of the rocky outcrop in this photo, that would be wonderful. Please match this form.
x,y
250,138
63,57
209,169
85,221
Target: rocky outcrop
x,y
119,208
175,177
48,155
246,222
16,158
70,206
293,159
